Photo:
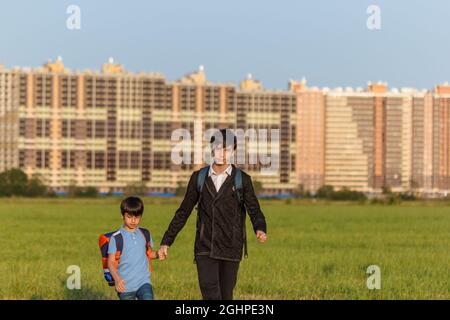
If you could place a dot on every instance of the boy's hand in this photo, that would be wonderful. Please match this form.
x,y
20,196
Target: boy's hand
x,y
261,236
154,254
163,252
120,285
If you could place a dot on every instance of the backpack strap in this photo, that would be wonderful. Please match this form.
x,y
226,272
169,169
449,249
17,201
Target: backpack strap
x,y
119,245
146,234
148,246
119,241
201,178
239,191
238,185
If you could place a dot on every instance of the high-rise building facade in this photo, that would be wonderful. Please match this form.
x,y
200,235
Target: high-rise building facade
x,y
113,128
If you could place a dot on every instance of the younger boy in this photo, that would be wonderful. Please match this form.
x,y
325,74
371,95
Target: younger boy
x,y
132,276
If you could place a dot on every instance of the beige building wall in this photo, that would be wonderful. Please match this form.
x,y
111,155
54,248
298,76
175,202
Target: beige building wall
x,y
398,151
112,129
9,114
310,135
422,143
442,138
346,164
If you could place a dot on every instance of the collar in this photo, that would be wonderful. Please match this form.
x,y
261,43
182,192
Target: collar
x,y
228,170
122,228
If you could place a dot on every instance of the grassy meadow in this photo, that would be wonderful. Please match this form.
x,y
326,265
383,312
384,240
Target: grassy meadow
x,y
314,250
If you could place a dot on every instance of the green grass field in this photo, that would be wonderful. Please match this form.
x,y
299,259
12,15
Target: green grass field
x,y
314,251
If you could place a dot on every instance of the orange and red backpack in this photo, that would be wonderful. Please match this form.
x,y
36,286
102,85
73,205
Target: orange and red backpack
x,y
103,243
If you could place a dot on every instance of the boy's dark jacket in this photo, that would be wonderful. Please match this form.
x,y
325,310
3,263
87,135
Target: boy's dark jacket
x,y
220,222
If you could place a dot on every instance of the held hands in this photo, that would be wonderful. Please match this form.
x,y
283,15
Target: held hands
x,y
261,236
163,252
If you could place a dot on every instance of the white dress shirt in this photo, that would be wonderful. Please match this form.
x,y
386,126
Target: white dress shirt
x,y
219,178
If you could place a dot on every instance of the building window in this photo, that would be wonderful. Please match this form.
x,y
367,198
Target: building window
x,y
162,130
135,160
22,155
42,159
22,127
130,129
96,129
43,128
123,160
68,128
67,159
162,161
129,160
99,160
89,160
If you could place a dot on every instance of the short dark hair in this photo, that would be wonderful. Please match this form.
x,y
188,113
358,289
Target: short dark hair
x,y
224,137
132,205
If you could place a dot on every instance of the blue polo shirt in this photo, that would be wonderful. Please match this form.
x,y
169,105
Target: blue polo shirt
x,y
133,265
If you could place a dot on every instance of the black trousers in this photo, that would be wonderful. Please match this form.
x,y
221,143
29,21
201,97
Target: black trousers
x,y
217,278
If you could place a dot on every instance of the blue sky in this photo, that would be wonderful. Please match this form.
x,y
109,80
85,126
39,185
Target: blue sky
x,y
327,42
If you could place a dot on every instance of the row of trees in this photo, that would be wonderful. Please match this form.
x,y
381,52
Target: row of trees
x,y
15,182
327,192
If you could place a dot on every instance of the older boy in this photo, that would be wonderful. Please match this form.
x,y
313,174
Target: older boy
x,y
220,235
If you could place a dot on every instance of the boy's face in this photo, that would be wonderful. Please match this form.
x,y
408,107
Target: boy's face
x,y
130,221
223,155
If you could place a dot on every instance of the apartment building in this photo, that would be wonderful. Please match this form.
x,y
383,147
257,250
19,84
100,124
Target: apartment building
x,y
113,128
